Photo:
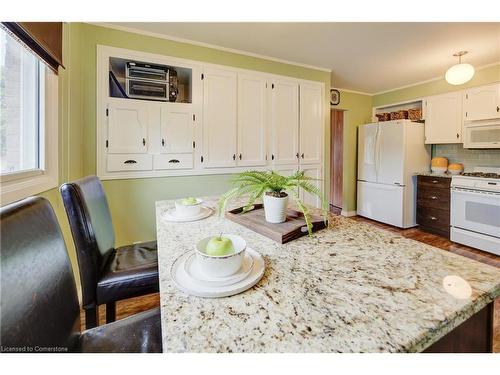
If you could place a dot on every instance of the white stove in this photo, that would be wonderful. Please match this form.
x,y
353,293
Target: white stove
x,y
475,209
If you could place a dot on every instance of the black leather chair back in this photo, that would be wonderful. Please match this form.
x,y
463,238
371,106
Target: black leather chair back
x,y
92,229
39,302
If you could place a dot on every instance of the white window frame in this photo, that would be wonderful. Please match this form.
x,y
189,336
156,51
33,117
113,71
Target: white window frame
x,y
23,184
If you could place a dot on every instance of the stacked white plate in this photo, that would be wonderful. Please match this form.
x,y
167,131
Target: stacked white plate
x,y
171,215
188,276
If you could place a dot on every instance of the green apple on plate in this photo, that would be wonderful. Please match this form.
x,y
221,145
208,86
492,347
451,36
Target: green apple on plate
x,y
219,245
189,201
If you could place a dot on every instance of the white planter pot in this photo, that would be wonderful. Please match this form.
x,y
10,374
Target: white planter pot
x,y
275,208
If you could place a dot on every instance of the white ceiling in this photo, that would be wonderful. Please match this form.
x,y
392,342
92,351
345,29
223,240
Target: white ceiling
x,y
367,57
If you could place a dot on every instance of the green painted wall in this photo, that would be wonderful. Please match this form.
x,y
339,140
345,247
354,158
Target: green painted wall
x,y
482,77
358,109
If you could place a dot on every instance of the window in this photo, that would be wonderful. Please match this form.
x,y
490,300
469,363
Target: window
x,y
28,92
20,98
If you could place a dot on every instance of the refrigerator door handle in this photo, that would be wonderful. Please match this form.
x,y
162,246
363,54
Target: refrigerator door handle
x,y
377,151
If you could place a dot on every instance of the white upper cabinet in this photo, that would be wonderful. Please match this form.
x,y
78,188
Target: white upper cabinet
x,y
314,172
252,116
177,128
311,124
219,118
127,126
443,118
482,103
284,115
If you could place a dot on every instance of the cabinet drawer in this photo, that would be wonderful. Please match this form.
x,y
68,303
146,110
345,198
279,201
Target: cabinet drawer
x,y
436,182
433,197
129,162
433,218
173,161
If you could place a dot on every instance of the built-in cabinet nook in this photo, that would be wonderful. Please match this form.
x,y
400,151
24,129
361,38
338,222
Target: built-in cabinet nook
x,y
446,114
164,116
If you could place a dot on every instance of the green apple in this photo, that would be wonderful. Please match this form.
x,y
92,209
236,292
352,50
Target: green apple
x,y
219,245
189,201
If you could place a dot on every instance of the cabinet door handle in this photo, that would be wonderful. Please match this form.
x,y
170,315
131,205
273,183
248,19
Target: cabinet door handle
x,y
234,156
272,156
130,161
144,141
163,142
435,181
302,155
239,156
498,109
434,197
174,161
297,155
458,135
432,217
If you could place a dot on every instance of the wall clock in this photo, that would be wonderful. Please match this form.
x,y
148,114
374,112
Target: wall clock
x,y
334,97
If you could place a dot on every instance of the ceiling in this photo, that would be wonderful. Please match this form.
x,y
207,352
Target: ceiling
x,y
366,57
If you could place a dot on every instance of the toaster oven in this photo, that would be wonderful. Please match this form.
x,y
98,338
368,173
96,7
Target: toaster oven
x,y
146,81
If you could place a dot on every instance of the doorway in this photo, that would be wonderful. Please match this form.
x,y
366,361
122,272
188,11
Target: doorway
x,y
336,159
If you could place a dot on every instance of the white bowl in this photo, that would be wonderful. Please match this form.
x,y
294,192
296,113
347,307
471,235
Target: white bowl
x,y
183,210
454,172
221,265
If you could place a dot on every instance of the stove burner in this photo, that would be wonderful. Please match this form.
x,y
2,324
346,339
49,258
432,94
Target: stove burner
x,y
481,174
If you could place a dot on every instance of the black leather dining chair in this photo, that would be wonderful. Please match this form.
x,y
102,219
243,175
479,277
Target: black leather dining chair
x,y
107,274
39,303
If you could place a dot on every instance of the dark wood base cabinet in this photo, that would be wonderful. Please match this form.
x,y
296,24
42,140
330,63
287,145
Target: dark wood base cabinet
x,y
433,204
475,335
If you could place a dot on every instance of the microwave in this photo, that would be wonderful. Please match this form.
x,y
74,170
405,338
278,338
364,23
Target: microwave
x,y
482,134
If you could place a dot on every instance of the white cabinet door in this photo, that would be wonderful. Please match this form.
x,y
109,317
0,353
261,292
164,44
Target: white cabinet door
x,y
316,173
219,118
285,121
311,124
391,153
127,126
443,118
367,152
252,128
482,103
177,128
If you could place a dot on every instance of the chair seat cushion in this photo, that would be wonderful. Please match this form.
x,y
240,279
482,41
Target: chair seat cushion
x,y
131,271
140,333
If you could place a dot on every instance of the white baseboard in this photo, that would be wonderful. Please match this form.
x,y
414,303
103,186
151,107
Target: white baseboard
x,y
348,213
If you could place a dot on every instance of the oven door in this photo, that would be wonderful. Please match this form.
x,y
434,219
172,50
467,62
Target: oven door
x,y
147,89
476,211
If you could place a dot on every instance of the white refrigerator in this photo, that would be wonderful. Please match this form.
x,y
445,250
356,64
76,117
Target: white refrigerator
x,y
390,153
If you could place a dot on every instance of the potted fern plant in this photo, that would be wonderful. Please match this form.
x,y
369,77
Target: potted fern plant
x,y
274,189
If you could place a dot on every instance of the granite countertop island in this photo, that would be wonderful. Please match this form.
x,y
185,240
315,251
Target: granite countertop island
x,y
349,288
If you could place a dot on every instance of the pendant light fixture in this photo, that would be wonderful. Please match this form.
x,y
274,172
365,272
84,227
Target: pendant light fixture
x,y
459,73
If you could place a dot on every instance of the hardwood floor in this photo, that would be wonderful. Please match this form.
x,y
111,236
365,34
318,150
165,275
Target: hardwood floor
x,y
135,305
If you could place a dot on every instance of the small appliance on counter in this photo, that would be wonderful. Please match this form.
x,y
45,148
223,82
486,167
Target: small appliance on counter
x,y
439,165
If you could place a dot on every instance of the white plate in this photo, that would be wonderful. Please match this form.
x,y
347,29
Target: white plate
x,y
171,216
193,269
188,285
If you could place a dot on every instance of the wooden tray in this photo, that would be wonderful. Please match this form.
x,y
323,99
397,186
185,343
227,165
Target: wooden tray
x,y
294,226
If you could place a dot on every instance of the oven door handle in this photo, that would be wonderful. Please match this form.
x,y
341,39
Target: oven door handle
x,y
475,192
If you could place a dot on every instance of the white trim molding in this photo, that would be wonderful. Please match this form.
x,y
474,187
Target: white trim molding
x,y
348,213
47,177
207,45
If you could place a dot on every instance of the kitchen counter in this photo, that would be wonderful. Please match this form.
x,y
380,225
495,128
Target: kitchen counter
x,y
431,174
349,288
